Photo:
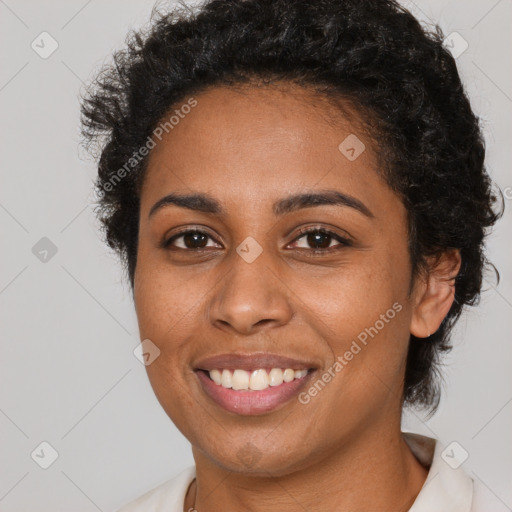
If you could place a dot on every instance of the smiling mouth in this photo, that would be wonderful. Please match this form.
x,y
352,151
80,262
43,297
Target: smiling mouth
x,y
256,392
253,383
256,380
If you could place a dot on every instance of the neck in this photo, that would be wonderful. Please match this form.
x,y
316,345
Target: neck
x,y
375,471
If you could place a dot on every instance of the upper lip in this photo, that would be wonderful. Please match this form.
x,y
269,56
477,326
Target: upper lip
x,y
251,362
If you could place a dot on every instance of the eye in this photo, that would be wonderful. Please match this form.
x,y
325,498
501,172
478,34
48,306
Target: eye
x,y
321,240
190,239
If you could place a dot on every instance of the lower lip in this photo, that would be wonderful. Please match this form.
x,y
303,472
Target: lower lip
x,y
251,402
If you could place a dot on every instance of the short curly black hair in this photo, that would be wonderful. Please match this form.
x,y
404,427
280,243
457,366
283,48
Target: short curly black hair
x,y
373,54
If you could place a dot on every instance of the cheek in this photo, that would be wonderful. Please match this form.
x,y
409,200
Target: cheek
x,y
361,312
165,305
352,298
364,331
166,302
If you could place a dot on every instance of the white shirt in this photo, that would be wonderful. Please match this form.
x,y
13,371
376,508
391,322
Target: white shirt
x,y
445,489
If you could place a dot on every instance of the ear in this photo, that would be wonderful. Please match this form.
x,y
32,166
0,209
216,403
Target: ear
x,y
435,294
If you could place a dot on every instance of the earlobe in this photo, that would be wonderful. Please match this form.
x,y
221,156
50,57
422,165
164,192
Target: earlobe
x,y
437,294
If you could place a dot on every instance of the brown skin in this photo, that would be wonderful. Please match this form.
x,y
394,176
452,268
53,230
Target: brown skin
x,y
343,450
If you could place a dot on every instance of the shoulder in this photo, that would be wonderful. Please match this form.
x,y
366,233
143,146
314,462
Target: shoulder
x,y
168,496
448,486
485,499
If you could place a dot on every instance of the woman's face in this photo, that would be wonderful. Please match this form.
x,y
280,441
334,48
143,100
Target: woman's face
x,y
251,284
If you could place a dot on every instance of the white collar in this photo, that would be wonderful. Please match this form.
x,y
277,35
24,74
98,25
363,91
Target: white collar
x,y
446,489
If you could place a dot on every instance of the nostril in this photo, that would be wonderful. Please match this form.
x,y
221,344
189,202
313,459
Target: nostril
x,y
265,320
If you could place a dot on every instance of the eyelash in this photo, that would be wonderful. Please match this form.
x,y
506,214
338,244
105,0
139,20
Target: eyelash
x,y
166,244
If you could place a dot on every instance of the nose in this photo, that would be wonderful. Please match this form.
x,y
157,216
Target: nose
x,y
252,297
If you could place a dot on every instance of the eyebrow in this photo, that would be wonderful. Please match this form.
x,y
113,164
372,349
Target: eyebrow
x,y
207,204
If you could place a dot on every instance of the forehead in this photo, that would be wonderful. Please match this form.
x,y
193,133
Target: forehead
x,y
249,142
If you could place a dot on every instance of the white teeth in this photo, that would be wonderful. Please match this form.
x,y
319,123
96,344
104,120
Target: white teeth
x,y
288,375
240,379
226,380
256,380
276,376
259,380
216,376
300,373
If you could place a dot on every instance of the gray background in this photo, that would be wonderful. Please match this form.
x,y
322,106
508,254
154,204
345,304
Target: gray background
x,y
68,327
